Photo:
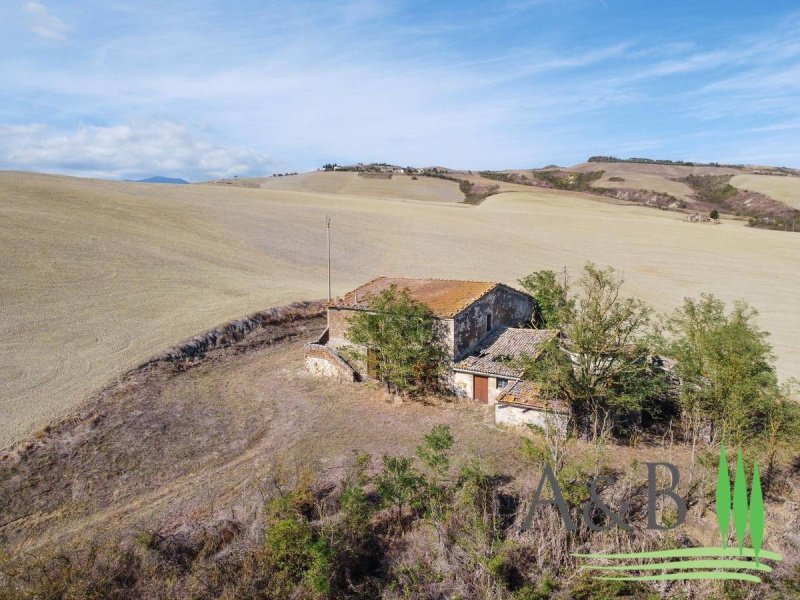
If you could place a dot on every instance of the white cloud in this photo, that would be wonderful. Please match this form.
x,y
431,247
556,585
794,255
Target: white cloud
x,y
130,151
44,24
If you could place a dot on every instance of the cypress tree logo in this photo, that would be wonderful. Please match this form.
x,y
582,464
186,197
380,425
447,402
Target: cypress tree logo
x,y
714,562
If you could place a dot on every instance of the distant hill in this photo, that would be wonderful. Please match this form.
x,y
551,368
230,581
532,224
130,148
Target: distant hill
x,y
160,179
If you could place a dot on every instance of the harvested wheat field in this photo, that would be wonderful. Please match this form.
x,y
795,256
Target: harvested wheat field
x,y
655,177
99,275
400,187
783,188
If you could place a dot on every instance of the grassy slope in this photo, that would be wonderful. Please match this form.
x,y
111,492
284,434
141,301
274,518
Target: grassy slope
x,y
785,189
99,275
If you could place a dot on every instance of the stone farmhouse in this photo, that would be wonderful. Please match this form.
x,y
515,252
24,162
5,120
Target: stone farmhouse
x,y
484,325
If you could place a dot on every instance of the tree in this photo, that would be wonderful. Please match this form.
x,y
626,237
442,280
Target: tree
x,y
399,484
405,339
434,450
602,366
434,453
552,302
726,370
714,214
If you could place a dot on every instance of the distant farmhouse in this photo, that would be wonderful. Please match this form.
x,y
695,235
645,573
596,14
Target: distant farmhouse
x,y
484,325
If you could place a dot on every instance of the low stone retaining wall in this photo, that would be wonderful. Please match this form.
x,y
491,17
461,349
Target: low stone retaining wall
x,y
322,360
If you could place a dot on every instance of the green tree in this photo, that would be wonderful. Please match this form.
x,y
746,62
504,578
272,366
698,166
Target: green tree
x,y
290,543
434,453
728,387
406,338
714,214
399,484
603,365
552,302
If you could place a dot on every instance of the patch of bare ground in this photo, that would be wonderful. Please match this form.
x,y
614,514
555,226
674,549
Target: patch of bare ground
x,y
188,438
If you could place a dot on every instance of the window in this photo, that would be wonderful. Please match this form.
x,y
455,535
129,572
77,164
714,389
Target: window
x,y
489,322
501,383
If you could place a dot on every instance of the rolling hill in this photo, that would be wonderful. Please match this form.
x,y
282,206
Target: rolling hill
x,y
161,179
99,275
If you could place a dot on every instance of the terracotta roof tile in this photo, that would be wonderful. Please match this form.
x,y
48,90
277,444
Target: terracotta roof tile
x,y
503,345
444,297
526,393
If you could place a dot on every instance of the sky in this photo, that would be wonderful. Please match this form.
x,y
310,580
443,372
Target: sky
x,y
207,89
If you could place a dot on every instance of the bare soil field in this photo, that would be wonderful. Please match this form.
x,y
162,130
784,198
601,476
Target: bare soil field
x,y
785,189
99,275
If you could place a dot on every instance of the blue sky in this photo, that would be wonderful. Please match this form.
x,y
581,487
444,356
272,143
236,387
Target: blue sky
x,y
206,89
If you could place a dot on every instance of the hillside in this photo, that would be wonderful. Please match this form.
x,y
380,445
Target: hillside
x,y
99,275
166,483
162,179
783,188
171,416
401,187
764,196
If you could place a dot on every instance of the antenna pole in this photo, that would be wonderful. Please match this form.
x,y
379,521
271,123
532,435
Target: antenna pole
x,y
328,231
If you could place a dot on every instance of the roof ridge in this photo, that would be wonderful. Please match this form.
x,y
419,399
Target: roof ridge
x,y
441,279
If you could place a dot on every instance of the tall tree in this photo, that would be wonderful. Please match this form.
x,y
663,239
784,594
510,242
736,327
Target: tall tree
x,y
728,386
553,303
405,338
602,366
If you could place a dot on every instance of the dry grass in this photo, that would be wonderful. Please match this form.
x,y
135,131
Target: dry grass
x,y
785,189
99,275
171,442
182,456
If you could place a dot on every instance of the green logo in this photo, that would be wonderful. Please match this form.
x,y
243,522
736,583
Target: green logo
x,y
712,562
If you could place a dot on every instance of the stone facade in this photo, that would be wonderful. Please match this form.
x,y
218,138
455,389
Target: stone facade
x,y
503,306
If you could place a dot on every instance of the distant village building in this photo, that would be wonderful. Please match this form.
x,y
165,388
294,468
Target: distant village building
x,y
484,333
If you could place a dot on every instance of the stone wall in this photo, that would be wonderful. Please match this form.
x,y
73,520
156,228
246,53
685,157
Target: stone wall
x,y
507,306
321,360
511,414
338,326
337,323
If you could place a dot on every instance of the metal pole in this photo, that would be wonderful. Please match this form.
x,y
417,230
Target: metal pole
x,y
328,230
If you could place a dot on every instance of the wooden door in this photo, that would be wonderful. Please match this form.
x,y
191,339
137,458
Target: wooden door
x,y
480,388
